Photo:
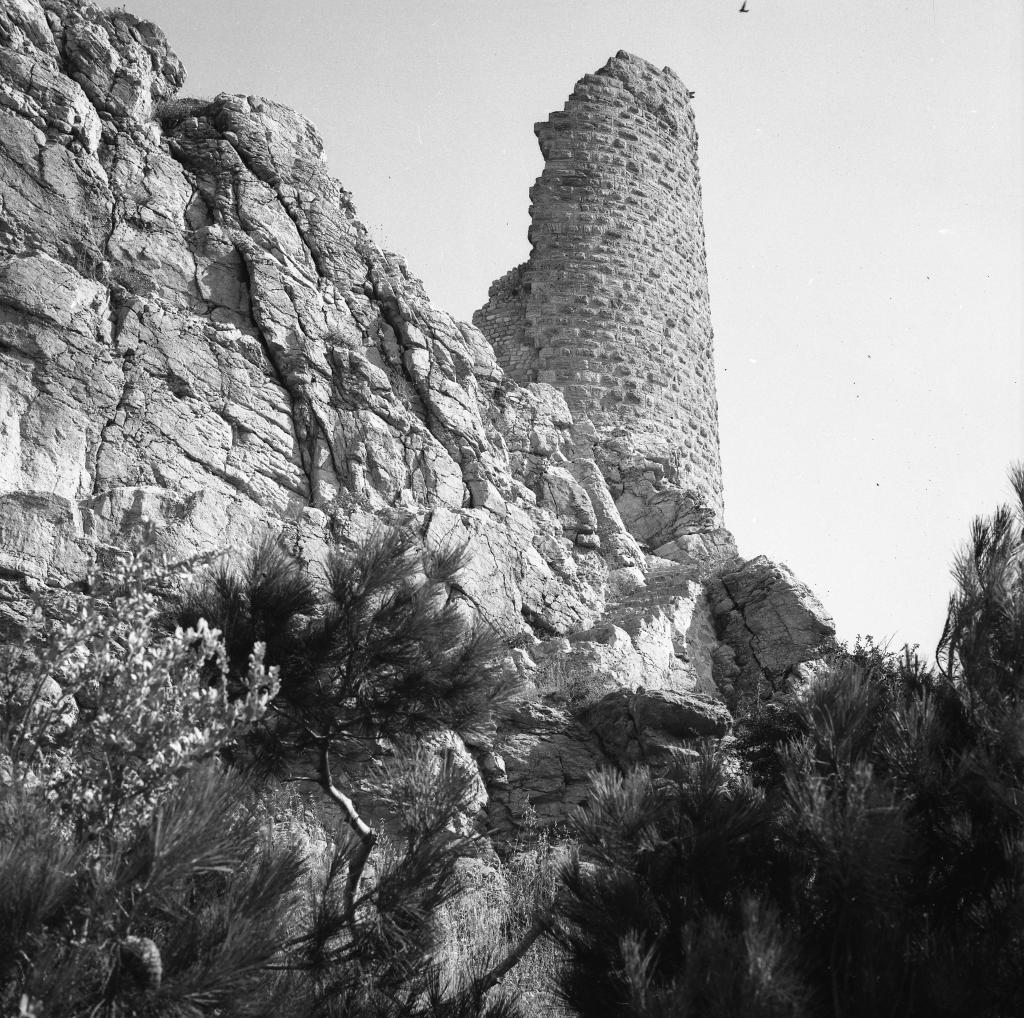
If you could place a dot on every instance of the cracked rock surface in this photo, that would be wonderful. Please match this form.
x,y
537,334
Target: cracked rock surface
x,y
198,335
198,331
650,726
770,621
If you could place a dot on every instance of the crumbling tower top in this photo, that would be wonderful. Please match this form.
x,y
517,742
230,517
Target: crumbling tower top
x,y
612,306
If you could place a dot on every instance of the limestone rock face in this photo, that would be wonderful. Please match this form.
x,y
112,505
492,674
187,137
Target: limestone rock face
x,y
199,333
770,621
539,768
649,726
199,339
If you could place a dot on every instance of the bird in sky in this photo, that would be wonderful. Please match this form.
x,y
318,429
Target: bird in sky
x,y
743,9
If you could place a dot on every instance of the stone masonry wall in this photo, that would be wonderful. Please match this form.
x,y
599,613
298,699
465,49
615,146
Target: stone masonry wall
x,y
503,320
612,306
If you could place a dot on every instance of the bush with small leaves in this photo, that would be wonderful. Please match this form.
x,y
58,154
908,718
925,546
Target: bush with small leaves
x,y
135,872
106,710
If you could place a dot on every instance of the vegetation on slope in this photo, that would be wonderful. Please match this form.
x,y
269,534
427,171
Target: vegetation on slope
x,y
138,871
859,852
180,835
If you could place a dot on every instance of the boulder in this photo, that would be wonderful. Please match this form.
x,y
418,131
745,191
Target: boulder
x,y
770,620
538,769
650,726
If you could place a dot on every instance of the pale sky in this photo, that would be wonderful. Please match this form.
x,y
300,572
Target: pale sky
x,y
863,168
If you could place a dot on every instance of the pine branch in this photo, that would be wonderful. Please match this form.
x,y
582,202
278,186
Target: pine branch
x,y
366,834
491,979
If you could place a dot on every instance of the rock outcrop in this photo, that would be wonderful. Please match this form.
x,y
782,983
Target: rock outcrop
x,y
199,338
770,621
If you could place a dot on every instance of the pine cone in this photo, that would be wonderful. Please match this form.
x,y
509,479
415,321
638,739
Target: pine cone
x,y
140,961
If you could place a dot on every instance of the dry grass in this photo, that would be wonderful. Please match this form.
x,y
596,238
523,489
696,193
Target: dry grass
x,y
490,917
573,686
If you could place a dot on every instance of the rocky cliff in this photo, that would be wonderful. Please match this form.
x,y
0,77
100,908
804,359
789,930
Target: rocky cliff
x,y
198,335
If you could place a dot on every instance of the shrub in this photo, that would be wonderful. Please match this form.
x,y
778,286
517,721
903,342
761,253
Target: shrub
x,y
106,711
170,112
496,908
869,860
133,869
664,915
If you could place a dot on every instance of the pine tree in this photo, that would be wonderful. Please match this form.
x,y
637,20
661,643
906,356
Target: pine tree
x,y
376,650
139,871
664,915
868,858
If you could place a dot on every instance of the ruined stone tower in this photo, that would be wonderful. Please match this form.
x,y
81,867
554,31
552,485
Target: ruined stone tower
x,y
612,306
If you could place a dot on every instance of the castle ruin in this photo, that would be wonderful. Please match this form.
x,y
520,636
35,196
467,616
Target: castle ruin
x,y
612,306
